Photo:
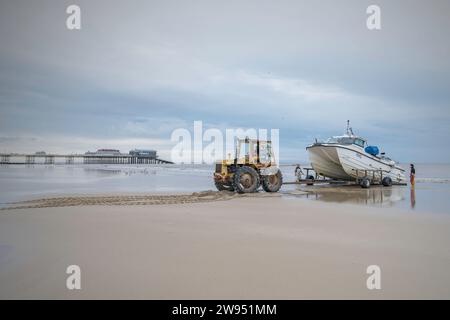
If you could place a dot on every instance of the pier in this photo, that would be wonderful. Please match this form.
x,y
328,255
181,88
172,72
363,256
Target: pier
x,y
51,159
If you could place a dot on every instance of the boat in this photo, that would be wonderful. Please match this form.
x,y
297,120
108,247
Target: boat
x,y
350,158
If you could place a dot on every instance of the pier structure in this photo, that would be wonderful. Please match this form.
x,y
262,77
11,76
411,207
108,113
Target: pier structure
x,y
52,159
49,159
70,159
4,158
29,159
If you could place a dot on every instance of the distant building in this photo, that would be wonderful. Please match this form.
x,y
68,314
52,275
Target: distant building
x,y
40,153
104,152
143,153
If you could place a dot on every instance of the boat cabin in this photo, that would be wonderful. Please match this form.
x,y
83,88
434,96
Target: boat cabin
x,y
347,140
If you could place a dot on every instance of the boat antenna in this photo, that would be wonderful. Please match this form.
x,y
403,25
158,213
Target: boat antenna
x,y
349,129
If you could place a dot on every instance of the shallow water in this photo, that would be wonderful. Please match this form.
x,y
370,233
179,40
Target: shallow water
x,y
424,197
22,182
431,192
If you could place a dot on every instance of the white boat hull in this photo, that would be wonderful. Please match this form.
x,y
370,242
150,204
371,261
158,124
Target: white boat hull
x,y
325,161
350,162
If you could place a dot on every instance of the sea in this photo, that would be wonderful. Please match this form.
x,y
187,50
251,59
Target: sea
x,y
431,193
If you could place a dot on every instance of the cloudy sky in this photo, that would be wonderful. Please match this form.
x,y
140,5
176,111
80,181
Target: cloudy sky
x,y
137,70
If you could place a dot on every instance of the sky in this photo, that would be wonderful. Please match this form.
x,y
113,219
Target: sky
x,y
138,70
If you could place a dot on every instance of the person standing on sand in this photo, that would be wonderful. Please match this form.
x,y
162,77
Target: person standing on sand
x,y
412,174
298,172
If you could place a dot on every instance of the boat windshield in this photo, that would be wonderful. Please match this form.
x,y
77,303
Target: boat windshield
x,y
346,140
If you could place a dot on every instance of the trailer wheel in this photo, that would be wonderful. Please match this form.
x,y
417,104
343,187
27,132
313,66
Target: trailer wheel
x,y
310,177
387,181
365,183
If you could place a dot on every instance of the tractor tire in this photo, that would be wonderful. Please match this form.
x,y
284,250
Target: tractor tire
x,y
311,182
273,182
246,180
223,187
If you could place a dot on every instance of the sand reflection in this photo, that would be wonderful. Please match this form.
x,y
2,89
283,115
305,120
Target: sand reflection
x,y
376,195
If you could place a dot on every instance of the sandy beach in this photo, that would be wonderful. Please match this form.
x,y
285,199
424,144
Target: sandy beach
x,y
253,247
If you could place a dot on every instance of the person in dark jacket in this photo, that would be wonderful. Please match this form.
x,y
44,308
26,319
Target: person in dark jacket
x,y
412,174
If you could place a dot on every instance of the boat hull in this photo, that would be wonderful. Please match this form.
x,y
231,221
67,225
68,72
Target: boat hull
x,y
351,162
325,161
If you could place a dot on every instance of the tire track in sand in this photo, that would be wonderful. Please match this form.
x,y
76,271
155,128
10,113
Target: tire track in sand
x,y
127,200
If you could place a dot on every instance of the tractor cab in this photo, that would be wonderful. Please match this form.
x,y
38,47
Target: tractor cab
x,y
256,152
253,165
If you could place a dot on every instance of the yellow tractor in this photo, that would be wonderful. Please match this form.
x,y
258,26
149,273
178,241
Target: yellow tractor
x,y
253,165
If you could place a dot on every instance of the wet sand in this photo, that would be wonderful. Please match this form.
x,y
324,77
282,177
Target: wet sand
x,y
126,200
255,247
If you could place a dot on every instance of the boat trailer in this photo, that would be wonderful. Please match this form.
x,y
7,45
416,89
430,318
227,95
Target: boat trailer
x,y
365,179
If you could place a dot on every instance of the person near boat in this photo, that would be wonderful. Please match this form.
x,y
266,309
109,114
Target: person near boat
x,y
412,174
298,172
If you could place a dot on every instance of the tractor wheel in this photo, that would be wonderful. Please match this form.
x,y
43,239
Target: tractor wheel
x,y
223,187
273,182
246,180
